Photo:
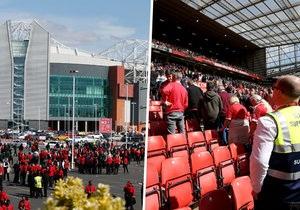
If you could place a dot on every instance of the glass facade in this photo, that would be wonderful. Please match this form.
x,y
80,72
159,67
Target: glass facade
x,y
282,58
19,49
91,97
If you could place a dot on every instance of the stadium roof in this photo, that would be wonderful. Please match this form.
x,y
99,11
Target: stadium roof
x,y
263,22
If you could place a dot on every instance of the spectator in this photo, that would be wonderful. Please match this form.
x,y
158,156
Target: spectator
x,y
90,189
175,98
274,161
129,195
237,118
212,107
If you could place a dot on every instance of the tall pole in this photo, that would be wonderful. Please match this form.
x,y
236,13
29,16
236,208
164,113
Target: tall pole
x,y
73,119
39,118
65,113
95,117
133,103
73,122
126,126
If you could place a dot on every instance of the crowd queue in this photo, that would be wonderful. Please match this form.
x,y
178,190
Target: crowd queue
x,y
40,169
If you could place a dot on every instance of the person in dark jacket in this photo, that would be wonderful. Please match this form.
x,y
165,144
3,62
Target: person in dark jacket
x,y
212,107
195,95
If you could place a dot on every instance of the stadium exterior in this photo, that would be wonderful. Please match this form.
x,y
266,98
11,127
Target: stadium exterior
x,y
36,86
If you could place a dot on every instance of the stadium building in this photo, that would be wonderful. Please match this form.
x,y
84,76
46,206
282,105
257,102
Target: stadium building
x,y
36,83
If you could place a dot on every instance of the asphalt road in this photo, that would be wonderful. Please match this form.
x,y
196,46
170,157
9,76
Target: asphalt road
x,y
116,183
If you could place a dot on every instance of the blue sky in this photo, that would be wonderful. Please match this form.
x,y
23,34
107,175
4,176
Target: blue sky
x,y
91,25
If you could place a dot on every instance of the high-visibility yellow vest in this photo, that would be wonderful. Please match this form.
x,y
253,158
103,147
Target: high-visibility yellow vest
x,y
284,163
38,181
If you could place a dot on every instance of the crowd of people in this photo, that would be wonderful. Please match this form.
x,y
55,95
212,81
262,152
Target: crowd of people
x,y
40,169
265,119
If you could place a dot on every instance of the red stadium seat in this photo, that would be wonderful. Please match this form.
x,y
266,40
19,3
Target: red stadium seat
x,y
177,181
177,145
241,158
196,141
212,139
156,151
222,159
204,171
192,125
155,103
242,193
153,191
155,113
157,128
215,200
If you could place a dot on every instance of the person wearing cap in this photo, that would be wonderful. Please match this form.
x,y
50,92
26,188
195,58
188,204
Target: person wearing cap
x,y
275,157
129,195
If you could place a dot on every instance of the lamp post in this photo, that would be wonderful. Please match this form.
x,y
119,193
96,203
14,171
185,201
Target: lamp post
x,y
126,126
133,104
96,115
73,72
65,117
39,118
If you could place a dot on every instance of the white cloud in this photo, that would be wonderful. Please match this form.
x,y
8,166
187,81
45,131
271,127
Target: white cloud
x,y
92,34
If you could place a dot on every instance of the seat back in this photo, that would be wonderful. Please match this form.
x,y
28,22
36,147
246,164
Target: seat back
x,y
152,188
201,160
241,157
221,154
242,193
177,145
155,113
177,180
204,172
155,103
222,159
196,141
211,138
156,151
156,144
215,200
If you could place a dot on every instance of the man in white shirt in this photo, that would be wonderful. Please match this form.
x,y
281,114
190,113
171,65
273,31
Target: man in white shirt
x,y
274,171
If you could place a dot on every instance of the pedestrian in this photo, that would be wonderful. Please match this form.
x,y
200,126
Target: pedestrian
x,y
125,164
90,189
38,185
275,157
1,174
129,195
175,98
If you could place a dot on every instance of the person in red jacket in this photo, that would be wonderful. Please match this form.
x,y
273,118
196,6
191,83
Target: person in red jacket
x,y
24,204
129,195
125,164
117,162
175,97
109,162
90,189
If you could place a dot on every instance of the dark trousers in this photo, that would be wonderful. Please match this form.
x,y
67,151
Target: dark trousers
x,y
125,168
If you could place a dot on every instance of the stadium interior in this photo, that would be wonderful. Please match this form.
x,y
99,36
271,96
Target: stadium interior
x,y
248,42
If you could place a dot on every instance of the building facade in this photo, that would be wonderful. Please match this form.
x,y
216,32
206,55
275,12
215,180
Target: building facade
x,y
36,83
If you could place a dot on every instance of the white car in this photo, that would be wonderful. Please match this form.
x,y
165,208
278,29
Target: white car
x,y
53,144
18,143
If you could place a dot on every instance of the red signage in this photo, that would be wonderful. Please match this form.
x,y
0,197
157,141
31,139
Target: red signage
x,y
105,125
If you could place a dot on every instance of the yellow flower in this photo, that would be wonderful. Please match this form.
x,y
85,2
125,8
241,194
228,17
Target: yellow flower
x,y
70,195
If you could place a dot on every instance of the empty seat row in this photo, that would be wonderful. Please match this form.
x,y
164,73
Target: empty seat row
x,y
176,189
178,146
